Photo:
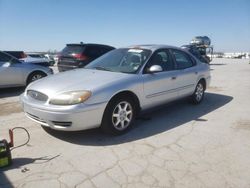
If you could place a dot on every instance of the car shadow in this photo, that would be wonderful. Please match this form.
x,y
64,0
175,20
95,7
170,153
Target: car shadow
x,y
11,92
5,182
217,64
160,120
20,163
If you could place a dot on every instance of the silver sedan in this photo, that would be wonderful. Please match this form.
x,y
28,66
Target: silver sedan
x,y
15,73
112,90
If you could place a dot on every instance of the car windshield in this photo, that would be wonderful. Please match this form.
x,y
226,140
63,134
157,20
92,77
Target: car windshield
x,y
126,60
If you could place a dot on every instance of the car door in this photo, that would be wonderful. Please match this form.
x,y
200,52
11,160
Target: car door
x,y
187,72
160,87
10,71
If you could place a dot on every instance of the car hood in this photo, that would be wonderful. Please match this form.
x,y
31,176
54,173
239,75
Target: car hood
x,y
75,80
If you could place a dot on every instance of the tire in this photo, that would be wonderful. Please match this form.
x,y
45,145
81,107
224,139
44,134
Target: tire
x,y
35,76
119,116
199,92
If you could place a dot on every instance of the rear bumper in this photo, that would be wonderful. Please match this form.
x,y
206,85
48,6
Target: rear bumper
x,y
62,68
64,64
80,118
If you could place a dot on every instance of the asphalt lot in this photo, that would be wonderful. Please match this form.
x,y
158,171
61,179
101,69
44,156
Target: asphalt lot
x,y
180,145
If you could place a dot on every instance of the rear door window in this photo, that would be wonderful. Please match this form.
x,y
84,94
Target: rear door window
x,y
182,59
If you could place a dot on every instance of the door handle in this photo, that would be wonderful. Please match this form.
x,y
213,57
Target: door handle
x,y
173,78
196,72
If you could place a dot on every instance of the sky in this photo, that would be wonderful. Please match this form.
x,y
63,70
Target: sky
x,y
41,25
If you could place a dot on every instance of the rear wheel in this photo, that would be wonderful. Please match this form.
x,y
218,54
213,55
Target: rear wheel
x,y
35,76
118,116
198,94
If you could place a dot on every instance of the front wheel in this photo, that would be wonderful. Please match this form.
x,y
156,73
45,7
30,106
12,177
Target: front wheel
x,y
198,94
118,116
35,76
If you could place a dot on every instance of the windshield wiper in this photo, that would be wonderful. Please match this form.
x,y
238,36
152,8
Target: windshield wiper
x,y
101,68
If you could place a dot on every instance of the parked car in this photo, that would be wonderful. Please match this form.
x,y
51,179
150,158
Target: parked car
x,y
17,54
113,89
43,57
36,55
38,61
195,51
51,59
79,55
14,72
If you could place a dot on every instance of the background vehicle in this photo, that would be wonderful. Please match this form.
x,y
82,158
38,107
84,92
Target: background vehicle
x,y
200,47
42,57
51,58
38,61
79,55
196,52
17,54
56,58
35,58
132,79
14,72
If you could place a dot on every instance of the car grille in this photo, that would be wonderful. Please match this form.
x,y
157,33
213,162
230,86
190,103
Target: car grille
x,y
37,95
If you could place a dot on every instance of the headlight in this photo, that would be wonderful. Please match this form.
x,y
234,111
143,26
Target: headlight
x,y
70,98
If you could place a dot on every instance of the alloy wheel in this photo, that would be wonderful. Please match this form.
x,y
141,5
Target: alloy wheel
x,y
122,115
36,77
199,92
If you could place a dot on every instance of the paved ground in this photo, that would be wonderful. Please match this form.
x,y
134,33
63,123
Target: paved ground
x,y
182,145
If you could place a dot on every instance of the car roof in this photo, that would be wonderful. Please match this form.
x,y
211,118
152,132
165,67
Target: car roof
x,y
88,44
154,47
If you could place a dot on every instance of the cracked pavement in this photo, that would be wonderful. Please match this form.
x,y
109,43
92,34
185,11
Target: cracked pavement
x,y
179,145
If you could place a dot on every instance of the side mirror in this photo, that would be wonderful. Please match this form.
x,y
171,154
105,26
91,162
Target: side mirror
x,y
7,64
155,69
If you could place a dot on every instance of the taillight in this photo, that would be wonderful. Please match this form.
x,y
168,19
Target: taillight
x,y
80,57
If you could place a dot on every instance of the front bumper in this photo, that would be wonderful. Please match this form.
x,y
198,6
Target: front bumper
x,y
69,119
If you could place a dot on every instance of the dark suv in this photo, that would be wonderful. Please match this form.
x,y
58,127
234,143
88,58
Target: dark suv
x,y
17,54
79,55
